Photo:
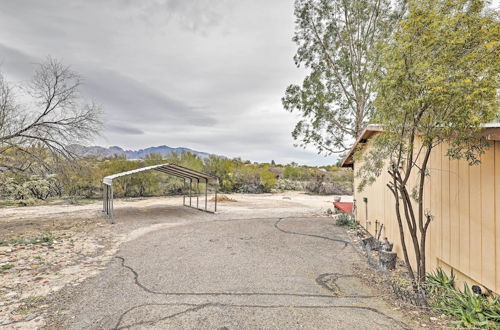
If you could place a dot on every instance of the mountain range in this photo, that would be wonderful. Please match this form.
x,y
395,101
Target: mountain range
x,y
102,152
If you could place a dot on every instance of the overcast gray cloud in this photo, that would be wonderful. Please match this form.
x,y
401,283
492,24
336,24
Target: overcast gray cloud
x,y
203,74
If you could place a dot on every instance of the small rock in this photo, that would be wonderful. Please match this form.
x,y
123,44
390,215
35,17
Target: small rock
x,y
434,319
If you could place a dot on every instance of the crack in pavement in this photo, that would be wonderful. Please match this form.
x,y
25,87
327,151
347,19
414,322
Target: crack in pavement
x,y
164,293
276,225
320,280
323,279
197,307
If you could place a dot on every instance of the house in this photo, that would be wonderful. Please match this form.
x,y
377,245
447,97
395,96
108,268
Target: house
x,y
464,200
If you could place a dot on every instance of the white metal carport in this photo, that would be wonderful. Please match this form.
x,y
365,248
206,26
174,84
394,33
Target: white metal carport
x,y
187,174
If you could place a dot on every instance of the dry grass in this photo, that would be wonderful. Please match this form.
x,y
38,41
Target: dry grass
x,y
223,198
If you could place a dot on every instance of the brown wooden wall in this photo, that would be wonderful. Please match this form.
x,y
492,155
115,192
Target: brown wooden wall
x,y
465,202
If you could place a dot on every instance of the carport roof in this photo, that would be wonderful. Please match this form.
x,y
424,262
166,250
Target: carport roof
x,y
172,169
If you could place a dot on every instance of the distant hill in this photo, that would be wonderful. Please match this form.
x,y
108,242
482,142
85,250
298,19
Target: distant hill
x,y
113,151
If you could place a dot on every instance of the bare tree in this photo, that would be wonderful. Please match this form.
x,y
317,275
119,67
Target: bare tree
x,y
41,118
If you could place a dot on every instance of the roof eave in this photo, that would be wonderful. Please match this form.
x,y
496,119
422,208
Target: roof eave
x,y
369,130
491,131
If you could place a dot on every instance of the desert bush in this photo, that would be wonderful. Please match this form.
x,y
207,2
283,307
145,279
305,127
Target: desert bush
x,y
287,184
343,219
267,180
295,172
329,188
26,191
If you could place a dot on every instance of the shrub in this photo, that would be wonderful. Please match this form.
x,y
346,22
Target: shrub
x,y
343,219
329,188
287,184
267,180
26,191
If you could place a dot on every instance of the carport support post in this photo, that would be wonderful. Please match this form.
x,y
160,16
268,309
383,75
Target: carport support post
x,y
197,192
206,193
184,193
106,199
103,198
109,203
112,206
190,187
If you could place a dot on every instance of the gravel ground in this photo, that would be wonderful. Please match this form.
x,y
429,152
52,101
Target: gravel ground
x,y
265,261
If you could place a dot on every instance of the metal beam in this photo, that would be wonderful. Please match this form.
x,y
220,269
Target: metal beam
x,y
166,171
177,172
192,172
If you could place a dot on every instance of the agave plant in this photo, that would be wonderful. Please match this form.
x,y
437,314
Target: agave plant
x,y
469,309
438,281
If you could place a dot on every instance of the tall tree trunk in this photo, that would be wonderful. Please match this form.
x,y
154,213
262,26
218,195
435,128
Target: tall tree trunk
x,y
395,192
423,227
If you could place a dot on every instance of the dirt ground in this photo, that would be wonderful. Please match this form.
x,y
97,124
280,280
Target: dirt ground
x,y
45,248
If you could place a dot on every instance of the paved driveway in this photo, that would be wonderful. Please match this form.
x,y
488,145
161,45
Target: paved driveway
x,y
262,273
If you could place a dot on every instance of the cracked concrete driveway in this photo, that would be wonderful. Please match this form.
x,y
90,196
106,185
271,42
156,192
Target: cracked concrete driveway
x,y
256,273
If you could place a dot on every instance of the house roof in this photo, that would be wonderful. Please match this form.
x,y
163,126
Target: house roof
x,y
491,131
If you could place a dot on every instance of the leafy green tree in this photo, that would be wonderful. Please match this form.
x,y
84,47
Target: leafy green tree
x,y
222,168
440,83
293,172
267,179
337,41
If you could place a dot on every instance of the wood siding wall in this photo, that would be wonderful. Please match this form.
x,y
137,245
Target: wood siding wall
x,y
465,203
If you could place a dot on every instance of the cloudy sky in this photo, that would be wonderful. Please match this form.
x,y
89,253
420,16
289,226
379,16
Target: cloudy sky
x,y
203,74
